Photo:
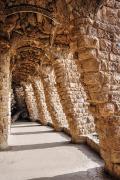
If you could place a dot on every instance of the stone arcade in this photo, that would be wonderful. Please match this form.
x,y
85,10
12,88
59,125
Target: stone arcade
x,y
61,60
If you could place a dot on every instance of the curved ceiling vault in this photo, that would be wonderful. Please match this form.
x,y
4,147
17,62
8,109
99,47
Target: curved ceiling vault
x,y
34,30
29,29
28,62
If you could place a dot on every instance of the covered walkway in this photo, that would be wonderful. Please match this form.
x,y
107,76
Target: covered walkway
x,y
38,152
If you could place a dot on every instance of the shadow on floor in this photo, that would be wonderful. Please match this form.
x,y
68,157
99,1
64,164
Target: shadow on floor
x,y
37,146
91,174
83,148
14,126
64,135
36,132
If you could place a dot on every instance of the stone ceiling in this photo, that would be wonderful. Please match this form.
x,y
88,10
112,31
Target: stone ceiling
x,y
35,28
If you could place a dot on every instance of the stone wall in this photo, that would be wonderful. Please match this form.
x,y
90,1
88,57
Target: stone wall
x,y
107,24
98,63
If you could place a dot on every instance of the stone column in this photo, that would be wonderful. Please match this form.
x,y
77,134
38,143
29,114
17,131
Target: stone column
x,y
31,102
5,100
73,98
45,117
53,102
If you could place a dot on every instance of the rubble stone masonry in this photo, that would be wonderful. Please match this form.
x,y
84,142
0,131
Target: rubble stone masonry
x,y
45,117
66,55
5,110
31,102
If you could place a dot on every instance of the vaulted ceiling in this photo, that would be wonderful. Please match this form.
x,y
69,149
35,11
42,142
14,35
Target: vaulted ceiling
x,y
35,29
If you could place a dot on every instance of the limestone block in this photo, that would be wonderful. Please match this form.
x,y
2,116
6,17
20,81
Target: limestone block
x,y
91,31
107,109
116,170
110,15
105,45
114,57
116,48
117,4
111,3
93,78
99,98
91,65
88,42
88,54
115,96
115,157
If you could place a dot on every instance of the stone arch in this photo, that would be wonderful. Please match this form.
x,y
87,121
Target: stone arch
x,y
29,8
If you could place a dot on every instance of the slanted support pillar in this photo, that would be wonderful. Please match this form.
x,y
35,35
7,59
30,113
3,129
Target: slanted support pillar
x,y
53,102
73,98
45,117
30,101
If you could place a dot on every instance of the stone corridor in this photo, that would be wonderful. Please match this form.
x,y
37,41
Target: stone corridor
x,y
60,67
39,153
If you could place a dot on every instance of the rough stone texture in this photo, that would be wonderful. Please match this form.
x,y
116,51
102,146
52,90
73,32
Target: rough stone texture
x,y
73,98
99,55
20,99
45,117
80,40
31,102
53,102
13,101
5,95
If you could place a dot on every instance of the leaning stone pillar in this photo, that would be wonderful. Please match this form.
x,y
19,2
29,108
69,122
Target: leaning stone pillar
x,y
73,98
30,101
53,102
45,117
5,101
